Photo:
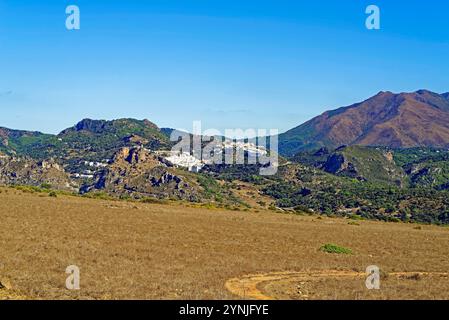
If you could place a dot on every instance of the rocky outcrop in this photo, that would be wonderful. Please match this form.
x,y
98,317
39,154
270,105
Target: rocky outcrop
x,y
137,172
26,171
339,164
365,164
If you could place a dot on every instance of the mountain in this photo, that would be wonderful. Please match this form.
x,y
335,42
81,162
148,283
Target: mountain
x,y
21,142
88,140
108,136
132,159
404,120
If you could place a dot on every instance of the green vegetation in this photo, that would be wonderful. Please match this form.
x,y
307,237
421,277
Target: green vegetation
x,y
89,140
153,200
98,195
357,162
378,189
409,185
332,248
404,157
215,191
368,200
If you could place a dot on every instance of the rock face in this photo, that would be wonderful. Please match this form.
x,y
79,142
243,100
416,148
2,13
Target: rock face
x,y
365,164
136,172
394,120
25,171
339,164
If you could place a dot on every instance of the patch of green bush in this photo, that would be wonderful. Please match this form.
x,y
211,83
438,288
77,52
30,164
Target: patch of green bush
x,y
153,200
332,248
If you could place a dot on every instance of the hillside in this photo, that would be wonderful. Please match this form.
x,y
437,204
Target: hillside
x,y
102,135
21,142
91,139
366,164
137,173
404,120
26,171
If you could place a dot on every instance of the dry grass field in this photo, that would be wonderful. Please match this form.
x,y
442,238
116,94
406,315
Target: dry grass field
x,y
128,250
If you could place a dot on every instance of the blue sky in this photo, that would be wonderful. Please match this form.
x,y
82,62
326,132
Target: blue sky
x,y
230,64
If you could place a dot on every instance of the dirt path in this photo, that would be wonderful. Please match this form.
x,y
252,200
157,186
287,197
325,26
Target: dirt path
x,y
249,286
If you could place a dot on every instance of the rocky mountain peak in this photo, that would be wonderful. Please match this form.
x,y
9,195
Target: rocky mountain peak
x,y
90,125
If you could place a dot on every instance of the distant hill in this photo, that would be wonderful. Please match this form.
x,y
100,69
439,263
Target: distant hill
x,y
128,159
373,164
22,142
417,119
88,140
108,135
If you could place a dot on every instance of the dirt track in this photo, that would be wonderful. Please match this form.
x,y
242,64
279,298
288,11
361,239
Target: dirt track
x,y
249,287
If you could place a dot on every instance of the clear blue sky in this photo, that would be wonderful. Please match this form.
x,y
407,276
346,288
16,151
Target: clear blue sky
x,y
233,63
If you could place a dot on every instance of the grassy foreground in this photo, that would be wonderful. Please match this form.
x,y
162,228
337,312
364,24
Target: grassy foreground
x,y
128,250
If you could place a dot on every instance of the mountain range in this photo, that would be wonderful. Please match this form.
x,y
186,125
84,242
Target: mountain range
x,y
384,158
404,120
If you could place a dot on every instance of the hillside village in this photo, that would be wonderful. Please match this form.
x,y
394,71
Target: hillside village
x,y
322,169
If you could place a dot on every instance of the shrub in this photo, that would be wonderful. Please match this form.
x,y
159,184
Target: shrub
x,y
153,200
356,217
332,248
98,195
125,197
393,219
300,208
46,186
52,194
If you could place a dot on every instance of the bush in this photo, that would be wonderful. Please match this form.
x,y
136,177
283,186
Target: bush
x,y
356,217
125,197
98,195
393,219
153,200
52,194
46,186
332,248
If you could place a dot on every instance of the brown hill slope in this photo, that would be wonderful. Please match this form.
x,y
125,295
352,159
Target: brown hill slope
x,y
395,120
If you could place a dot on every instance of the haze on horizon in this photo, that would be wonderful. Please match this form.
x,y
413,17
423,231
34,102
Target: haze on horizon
x,y
257,64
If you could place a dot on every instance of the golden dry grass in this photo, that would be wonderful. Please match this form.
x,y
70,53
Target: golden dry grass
x,y
129,250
